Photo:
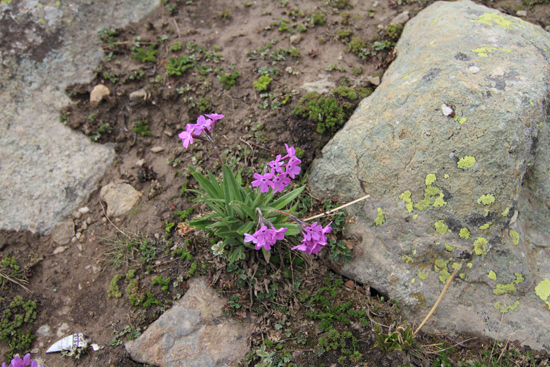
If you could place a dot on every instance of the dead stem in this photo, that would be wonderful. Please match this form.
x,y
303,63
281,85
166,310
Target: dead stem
x,y
102,207
336,209
15,281
449,281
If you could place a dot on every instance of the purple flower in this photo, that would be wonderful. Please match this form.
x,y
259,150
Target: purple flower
x,y
215,117
292,167
203,124
290,151
277,164
263,181
18,362
265,237
280,182
313,238
187,136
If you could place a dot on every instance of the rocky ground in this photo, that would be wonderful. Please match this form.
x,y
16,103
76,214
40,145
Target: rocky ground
x,y
98,268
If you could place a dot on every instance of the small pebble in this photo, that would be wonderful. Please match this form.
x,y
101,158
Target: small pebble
x,y
157,149
521,13
59,250
169,133
79,246
89,220
78,234
74,239
104,219
84,226
98,93
140,163
84,210
473,69
77,215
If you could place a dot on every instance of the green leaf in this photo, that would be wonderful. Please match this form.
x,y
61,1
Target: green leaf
x,y
292,229
200,223
234,187
245,228
237,254
206,185
287,198
247,209
215,184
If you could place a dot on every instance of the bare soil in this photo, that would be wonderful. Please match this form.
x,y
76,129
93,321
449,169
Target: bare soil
x,y
72,286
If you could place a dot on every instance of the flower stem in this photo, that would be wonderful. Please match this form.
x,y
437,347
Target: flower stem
x,y
336,209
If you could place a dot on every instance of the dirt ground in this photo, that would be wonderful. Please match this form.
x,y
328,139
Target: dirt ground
x,y
217,38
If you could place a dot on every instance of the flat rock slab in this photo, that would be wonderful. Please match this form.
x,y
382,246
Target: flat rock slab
x,y
46,168
120,198
193,333
454,149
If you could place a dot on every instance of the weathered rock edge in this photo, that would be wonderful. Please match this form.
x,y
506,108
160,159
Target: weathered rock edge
x,y
492,70
193,333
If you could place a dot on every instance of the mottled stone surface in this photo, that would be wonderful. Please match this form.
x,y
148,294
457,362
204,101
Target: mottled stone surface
x,y
46,168
193,333
454,149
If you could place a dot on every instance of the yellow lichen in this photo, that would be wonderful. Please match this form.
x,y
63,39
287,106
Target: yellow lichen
x,y
504,288
423,275
514,235
492,275
449,247
406,197
407,259
462,120
446,176
486,199
464,233
543,290
441,227
486,225
481,246
430,179
499,20
505,212
505,308
415,216
469,265
466,162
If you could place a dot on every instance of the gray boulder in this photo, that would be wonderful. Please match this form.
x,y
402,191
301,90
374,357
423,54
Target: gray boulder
x,y
193,333
454,149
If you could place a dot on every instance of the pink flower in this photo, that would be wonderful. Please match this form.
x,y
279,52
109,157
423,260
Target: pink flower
x,y
280,182
292,167
215,117
313,238
277,164
18,362
265,237
263,181
290,152
203,124
187,136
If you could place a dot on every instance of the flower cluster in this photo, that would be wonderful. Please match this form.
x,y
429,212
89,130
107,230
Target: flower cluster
x,y
195,130
313,237
18,362
281,173
265,237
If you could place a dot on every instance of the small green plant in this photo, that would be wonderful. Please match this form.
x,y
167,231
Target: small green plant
x,y
394,31
343,34
142,128
108,35
130,332
400,339
168,226
16,315
145,55
177,66
235,302
224,15
357,70
383,45
63,118
229,79
356,45
247,4
114,291
203,105
183,214
169,8
318,18
326,111
164,283
339,251
176,46
262,83
345,92
103,128
301,28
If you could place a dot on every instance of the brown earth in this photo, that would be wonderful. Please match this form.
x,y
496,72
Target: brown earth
x,y
72,286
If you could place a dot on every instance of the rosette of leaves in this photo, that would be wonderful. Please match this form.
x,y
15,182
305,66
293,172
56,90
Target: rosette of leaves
x,y
400,339
178,66
145,55
234,210
262,83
